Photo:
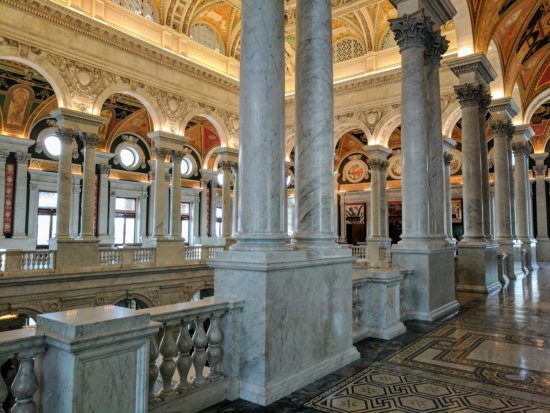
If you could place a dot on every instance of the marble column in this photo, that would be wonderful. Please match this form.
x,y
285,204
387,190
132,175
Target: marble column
x,y
20,204
543,242
64,182
175,223
477,253
160,193
487,215
310,286
235,207
314,164
410,34
502,181
227,203
436,46
423,246
378,228
103,204
3,158
522,191
448,146
343,229
204,196
88,186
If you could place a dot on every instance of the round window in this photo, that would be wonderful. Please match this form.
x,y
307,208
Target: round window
x,y
129,157
52,144
186,166
220,179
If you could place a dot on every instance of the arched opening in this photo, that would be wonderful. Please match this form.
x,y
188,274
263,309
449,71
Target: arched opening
x,y
132,303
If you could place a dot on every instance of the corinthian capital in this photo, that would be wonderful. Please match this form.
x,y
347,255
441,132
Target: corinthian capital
x,y
90,140
501,128
540,170
161,153
66,135
436,46
410,30
22,157
377,164
470,94
521,148
448,158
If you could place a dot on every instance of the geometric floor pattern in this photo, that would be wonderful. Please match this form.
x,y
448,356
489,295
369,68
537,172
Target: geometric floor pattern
x,y
379,389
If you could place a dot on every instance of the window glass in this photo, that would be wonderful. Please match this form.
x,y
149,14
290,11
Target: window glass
x,y
129,233
47,199
186,166
207,36
43,231
52,144
119,230
219,213
347,49
125,204
220,179
185,208
128,157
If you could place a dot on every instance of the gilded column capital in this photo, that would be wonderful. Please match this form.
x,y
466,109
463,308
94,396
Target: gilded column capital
x,y
410,30
90,140
448,158
470,94
66,135
22,157
436,46
377,164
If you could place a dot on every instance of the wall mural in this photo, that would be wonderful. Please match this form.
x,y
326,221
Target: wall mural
x,y
355,213
355,170
394,165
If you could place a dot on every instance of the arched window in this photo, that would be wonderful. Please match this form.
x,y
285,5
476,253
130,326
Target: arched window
x,y
145,8
347,49
207,36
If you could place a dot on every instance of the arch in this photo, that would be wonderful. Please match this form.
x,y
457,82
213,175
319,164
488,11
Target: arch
x,y
141,297
46,69
213,118
463,27
537,101
211,156
386,126
497,85
347,125
144,98
450,118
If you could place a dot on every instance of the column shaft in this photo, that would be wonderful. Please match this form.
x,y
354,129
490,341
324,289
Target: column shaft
x,y
522,190
314,165
103,204
226,200
175,223
447,159
542,219
262,190
502,180
20,205
160,193
204,209
483,150
64,182
88,185
235,208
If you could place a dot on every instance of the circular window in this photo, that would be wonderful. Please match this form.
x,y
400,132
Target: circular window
x,y
220,179
52,145
186,167
289,180
129,157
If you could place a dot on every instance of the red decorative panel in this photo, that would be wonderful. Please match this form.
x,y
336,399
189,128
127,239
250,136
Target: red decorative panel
x,y
211,139
8,198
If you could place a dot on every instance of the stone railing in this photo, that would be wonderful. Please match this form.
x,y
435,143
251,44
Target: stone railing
x,y
359,251
110,256
28,262
202,328
22,346
193,253
212,251
207,331
144,255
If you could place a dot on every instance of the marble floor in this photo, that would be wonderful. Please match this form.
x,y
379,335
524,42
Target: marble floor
x,y
493,356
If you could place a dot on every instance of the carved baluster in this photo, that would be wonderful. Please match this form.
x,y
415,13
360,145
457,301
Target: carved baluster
x,y
168,365
183,362
357,305
214,352
153,369
199,354
25,384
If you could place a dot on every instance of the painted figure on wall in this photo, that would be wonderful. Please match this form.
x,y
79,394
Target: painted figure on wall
x,y
18,105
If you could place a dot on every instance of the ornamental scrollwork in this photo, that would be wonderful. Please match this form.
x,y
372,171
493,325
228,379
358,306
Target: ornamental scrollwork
x,y
470,94
410,30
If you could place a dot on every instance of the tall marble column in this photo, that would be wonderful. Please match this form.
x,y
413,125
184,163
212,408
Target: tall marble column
x,y
522,191
235,208
205,195
448,146
410,34
343,234
477,253
310,286
487,215
3,158
436,46
64,182
160,193
103,204
20,205
423,246
543,242
378,228
88,186
314,164
227,203
175,222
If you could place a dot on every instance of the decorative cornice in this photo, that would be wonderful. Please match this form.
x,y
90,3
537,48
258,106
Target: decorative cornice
x,y
476,64
89,27
410,30
505,105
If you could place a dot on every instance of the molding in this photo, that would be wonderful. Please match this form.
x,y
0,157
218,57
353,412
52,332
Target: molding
x,y
477,64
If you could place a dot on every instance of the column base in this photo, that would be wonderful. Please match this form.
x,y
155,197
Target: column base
x,y
76,254
530,247
477,267
543,249
290,298
514,262
170,252
432,293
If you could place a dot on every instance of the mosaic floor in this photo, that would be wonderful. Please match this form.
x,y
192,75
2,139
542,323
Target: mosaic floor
x,y
493,357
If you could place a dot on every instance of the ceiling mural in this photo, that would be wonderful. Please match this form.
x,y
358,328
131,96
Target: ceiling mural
x,y
540,122
203,135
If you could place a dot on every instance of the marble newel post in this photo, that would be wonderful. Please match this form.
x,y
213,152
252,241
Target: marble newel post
x,y
501,126
423,247
84,252
448,145
543,242
20,221
378,228
175,221
522,193
310,287
90,142
168,251
477,253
